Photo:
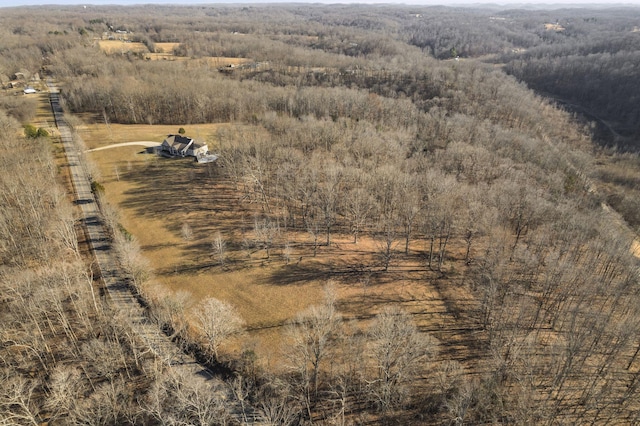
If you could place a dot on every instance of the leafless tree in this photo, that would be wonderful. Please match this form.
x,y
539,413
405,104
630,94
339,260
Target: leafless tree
x,y
328,197
186,232
311,333
17,402
170,309
278,405
265,230
216,321
409,206
397,349
131,258
219,248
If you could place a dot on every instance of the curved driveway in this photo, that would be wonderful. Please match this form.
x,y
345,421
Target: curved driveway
x,y
148,144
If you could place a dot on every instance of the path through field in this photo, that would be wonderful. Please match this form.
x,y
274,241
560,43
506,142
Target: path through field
x,y
148,144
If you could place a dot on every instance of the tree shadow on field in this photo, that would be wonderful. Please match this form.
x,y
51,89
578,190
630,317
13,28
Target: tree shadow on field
x,y
163,187
301,273
307,269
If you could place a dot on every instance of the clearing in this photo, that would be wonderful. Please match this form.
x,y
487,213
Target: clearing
x,y
121,46
164,52
157,197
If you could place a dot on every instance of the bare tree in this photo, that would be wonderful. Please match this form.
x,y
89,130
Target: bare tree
x,y
186,232
219,249
216,321
409,206
397,348
130,257
358,205
386,237
174,398
313,225
265,230
311,333
65,225
278,405
170,309
328,196
65,387
17,402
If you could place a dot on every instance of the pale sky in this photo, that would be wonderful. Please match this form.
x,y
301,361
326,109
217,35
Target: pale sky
x,y
510,3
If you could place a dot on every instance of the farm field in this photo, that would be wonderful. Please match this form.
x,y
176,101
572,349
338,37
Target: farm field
x,y
121,46
164,52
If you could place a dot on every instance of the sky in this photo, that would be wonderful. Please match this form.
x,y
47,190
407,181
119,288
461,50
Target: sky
x,y
12,3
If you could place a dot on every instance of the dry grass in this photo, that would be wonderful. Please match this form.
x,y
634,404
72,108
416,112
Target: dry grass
x,y
155,196
165,57
96,135
164,52
223,61
119,46
554,27
165,47
44,117
187,265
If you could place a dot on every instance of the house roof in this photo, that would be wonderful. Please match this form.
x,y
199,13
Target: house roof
x,y
181,143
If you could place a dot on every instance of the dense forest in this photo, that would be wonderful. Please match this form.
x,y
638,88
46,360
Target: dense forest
x,y
511,135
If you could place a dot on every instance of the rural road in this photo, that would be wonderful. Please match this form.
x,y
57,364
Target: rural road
x,y
148,144
99,240
115,282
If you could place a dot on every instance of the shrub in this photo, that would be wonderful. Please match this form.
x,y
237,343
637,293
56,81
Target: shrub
x,y
97,188
30,131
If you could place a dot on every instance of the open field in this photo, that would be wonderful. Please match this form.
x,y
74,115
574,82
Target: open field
x,y
165,47
97,135
157,196
119,46
164,52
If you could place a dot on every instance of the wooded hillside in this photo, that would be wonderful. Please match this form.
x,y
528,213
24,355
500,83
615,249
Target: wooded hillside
x,y
415,129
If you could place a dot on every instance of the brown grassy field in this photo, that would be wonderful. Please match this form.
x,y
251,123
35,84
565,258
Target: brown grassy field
x,y
165,47
119,46
164,51
156,196
96,135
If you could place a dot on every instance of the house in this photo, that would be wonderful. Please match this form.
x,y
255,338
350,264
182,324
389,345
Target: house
x,y
29,90
178,145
